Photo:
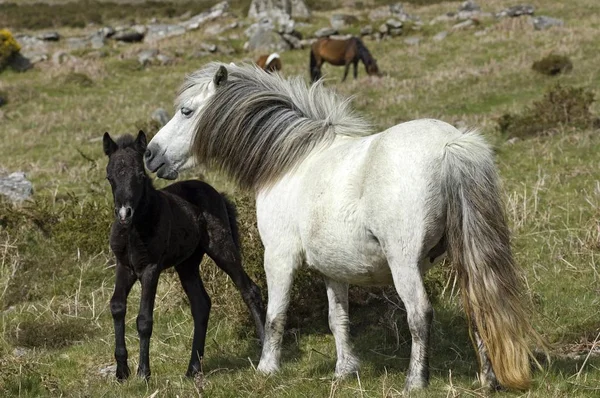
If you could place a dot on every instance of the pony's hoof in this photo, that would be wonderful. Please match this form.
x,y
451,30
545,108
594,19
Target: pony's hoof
x,y
346,367
267,369
143,374
192,372
414,385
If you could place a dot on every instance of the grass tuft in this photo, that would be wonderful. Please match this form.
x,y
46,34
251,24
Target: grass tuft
x,y
51,334
553,64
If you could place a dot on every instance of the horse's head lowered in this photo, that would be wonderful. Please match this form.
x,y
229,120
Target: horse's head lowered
x,y
169,151
372,68
126,174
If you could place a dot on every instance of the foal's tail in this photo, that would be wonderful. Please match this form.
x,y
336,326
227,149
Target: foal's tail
x,y
479,248
232,215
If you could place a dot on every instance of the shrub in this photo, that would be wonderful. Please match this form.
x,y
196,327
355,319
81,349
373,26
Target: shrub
x,y
8,47
553,64
78,79
561,107
51,333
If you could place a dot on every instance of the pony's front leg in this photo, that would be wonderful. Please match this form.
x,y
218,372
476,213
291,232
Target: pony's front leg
x,y
149,280
346,69
337,295
124,280
279,269
487,377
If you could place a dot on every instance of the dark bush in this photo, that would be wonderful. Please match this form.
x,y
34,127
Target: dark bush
x,y
51,333
78,79
561,107
553,64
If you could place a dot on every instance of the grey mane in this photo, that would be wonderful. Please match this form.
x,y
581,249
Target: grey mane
x,y
258,126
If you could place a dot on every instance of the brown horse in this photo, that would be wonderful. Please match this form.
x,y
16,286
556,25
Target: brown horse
x,y
269,63
338,53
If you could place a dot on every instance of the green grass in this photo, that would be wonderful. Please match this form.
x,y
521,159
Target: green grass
x,y
56,272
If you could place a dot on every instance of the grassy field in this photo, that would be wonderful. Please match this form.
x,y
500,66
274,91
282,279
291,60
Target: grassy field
x,y
56,270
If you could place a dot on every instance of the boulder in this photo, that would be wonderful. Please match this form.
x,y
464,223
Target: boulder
x,y
128,36
341,21
49,36
469,6
60,57
267,41
542,22
19,63
412,41
293,41
16,187
325,32
216,11
211,48
97,40
440,36
516,11
464,25
366,30
145,57
162,31
277,8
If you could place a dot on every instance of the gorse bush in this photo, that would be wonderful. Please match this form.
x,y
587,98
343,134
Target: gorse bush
x,y
561,107
8,47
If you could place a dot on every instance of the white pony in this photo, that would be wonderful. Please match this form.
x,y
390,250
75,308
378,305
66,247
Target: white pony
x,y
359,208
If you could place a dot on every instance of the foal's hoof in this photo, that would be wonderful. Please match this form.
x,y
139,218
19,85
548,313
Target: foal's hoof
x,y
191,373
122,373
143,374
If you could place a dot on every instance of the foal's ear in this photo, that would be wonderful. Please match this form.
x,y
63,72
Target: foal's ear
x,y
109,145
141,142
220,77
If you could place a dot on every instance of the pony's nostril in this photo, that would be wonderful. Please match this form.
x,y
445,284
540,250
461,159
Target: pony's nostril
x,y
148,154
128,212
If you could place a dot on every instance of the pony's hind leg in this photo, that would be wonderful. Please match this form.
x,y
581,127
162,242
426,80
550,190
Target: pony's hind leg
x,y
419,314
346,68
337,295
279,270
124,280
487,376
200,307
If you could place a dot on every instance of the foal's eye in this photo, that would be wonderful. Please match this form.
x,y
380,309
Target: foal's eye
x,y
186,111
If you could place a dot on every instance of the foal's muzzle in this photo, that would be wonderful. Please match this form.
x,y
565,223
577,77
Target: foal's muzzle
x,y
124,214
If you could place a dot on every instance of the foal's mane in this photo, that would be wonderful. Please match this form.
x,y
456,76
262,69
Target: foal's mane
x,y
125,141
258,126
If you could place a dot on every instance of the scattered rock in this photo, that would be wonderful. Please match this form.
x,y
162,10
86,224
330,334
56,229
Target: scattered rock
x,y
341,21
107,31
97,40
412,41
161,116
49,36
392,11
516,11
325,32
19,352
300,9
383,29
108,371
440,36
267,41
146,57
366,30
393,24
19,63
60,57
293,41
35,57
76,43
16,187
216,11
162,31
380,13
542,22
469,6
275,9
217,29
464,25
211,48
305,43
164,59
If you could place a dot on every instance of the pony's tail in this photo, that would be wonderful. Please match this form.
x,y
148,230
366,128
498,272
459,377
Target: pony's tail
x,y
479,249
314,72
233,224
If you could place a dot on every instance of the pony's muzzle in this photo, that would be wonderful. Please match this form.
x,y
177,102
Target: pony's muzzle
x,y
124,214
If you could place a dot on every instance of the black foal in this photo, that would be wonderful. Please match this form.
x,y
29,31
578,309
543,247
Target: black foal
x,y
157,229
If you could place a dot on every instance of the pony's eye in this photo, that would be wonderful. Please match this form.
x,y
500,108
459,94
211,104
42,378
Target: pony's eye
x,y
186,111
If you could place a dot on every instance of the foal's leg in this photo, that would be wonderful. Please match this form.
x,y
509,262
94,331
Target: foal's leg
x,y
227,257
279,269
419,313
200,306
149,280
124,280
337,294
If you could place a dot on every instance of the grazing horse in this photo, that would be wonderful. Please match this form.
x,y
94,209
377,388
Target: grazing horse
x,y
269,63
157,229
360,208
338,53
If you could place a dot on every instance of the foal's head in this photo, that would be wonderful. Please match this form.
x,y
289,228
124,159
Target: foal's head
x,y
126,173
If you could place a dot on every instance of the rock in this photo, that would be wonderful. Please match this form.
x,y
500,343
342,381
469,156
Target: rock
x,y
516,11
198,20
162,31
60,57
35,57
49,36
108,371
211,48
440,36
305,43
293,41
393,24
146,57
267,41
97,40
225,49
16,187
543,22
448,17
412,41
395,32
277,8
383,29
464,25
392,11
380,13
77,43
469,6
325,32
19,63
300,9
217,29
19,352
340,21
397,9
107,31
366,30
128,36
164,59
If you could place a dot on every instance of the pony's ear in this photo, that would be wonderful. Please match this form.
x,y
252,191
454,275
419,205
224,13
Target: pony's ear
x,y
140,142
109,145
220,77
